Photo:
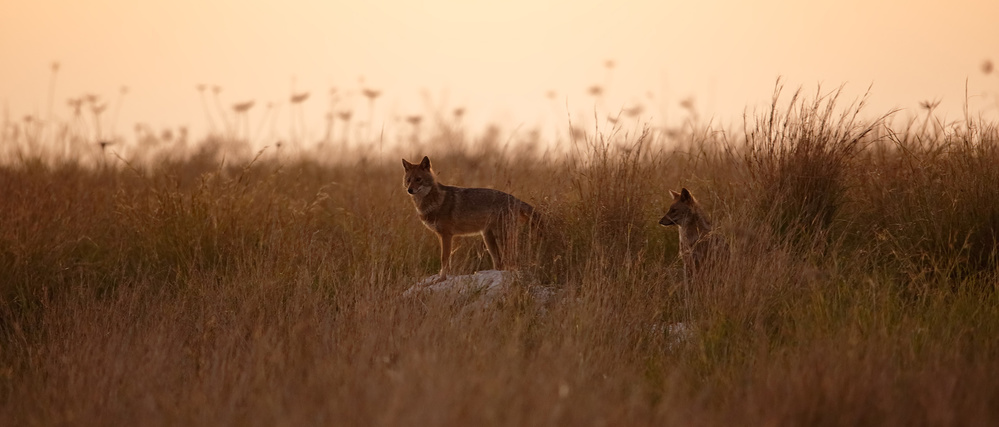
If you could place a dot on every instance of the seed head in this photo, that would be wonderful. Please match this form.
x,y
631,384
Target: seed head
x,y
930,105
634,111
242,107
688,103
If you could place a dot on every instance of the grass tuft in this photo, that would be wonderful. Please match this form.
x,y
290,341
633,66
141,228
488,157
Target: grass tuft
x,y
212,287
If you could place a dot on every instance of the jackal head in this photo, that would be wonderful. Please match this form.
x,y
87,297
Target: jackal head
x,y
418,179
683,211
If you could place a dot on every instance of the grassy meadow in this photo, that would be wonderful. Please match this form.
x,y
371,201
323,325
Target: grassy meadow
x,y
861,289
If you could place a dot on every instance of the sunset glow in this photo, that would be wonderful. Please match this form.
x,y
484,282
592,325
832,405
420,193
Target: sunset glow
x,y
514,63
627,213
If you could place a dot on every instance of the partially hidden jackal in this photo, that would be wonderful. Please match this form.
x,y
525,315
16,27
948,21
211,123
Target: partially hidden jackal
x,y
700,248
453,211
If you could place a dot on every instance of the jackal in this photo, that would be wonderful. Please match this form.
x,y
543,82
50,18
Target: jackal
x,y
456,211
698,245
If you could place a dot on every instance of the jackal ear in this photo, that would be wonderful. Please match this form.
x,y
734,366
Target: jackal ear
x,y
407,165
676,196
425,164
685,196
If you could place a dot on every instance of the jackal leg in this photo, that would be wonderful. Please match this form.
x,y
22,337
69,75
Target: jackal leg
x,y
509,241
691,266
489,236
446,240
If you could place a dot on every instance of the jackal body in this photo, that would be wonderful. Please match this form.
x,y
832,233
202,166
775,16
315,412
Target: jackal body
x,y
699,246
451,211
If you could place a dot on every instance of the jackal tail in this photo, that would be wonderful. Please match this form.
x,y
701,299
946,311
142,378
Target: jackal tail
x,y
534,218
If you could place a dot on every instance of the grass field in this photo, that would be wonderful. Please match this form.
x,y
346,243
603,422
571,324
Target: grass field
x,y
861,288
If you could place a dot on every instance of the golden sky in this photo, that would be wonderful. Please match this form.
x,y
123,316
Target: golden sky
x,y
498,59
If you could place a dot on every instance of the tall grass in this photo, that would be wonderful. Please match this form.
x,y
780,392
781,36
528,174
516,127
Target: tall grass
x,y
861,287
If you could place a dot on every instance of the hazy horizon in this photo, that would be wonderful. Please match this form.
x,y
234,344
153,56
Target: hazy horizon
x,y
519,63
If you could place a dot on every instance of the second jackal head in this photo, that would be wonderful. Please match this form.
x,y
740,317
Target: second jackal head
x,y
419,178
683,211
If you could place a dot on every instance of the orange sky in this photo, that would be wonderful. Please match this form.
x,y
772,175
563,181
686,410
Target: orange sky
x,y
496,58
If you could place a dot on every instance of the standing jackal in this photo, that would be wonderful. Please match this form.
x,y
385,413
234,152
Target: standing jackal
x,y
698,245
456,211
